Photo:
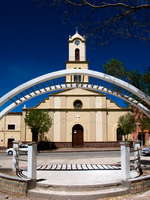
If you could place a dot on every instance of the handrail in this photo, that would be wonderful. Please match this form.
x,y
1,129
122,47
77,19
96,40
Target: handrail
x,y
21,159
137,165
18,169
31,161
21,169
134,159
135,150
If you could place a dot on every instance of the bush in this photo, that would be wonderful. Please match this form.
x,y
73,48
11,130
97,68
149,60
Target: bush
x,y
47,145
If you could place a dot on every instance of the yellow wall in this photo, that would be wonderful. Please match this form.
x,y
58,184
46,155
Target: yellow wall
x,y
98,116
10,119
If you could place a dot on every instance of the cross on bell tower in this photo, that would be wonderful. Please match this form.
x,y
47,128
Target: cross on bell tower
x,y
76,29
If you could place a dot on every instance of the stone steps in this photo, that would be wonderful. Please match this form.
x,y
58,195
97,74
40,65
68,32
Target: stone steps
x,y
77,192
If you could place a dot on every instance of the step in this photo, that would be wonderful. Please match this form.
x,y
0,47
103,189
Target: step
x,y
77,187
76,192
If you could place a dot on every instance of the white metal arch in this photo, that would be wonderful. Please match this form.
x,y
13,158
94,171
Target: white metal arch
x,y
57,81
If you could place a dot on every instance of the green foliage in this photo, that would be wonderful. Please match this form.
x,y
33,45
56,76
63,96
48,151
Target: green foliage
x,y
115,68
43,138
144,123
38,121
126,125
140,80
146,80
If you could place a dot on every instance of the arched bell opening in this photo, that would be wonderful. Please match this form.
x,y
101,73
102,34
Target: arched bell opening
x,y
77,55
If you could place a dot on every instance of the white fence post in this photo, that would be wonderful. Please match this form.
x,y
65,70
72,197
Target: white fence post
x,y
125,160
32,161
15,155
136,154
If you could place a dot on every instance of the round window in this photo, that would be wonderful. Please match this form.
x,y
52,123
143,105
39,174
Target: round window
x,y
77,104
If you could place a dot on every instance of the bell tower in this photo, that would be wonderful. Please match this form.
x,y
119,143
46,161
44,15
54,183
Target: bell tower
x,y
77,48
77,56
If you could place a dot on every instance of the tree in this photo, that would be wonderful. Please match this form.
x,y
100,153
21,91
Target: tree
x,y
107,19
126,125
116,68
144,122
141,81
39,122
145,78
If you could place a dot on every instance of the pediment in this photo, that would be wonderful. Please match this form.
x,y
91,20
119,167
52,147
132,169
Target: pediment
x,y
78,92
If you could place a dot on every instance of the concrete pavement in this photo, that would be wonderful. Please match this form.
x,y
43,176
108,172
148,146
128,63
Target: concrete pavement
x,y
73,177
48,160
90,184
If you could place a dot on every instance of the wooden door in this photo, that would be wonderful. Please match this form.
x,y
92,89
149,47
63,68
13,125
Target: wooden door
x,y
77,136
10,143
119,135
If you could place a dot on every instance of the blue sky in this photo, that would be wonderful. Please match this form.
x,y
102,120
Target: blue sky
x,y
34,41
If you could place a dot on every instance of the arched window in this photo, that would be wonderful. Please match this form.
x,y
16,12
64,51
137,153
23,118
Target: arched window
x,y
77,54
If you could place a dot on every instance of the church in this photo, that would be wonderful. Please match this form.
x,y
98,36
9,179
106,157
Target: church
x,y
81,117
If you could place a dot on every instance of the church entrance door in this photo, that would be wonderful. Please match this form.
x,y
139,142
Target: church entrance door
x,y
119,135
77,136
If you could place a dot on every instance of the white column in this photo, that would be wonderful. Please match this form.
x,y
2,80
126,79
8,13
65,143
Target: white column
x,y
32,160
136,153
15,155
125,160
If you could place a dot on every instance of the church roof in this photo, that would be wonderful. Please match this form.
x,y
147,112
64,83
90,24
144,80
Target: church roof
x,y
76,36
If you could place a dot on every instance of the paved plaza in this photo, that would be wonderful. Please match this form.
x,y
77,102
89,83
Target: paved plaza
x,y
75,171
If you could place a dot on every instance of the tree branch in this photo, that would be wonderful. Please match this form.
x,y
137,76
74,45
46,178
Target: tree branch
x,y
123,19
106,5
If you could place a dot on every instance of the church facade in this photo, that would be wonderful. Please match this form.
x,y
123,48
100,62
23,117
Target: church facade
x,y
81,117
